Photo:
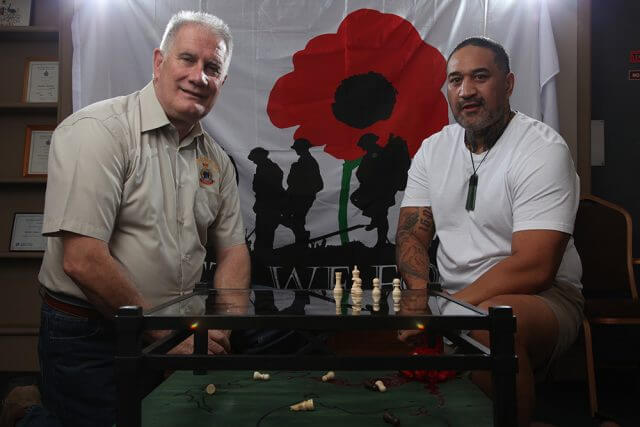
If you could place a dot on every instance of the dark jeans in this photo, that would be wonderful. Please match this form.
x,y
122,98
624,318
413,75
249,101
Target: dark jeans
x,y
77,368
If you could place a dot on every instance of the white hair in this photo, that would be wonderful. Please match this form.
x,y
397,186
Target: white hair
x,y
211,22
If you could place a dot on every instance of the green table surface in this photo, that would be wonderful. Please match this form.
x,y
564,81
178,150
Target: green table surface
x,y
181,400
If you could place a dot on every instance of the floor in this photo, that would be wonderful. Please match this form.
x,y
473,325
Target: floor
x,y
562,398
561,403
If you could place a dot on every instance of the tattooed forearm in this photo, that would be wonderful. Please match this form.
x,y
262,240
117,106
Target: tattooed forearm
x,y
415,232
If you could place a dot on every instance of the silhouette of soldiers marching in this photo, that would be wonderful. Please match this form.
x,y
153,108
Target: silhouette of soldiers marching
x,y
270,197
303,183
382,173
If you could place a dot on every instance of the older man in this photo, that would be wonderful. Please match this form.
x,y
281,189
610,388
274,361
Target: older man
x,y
136,191
501,191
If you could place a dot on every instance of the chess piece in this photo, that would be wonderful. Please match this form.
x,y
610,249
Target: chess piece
x,y
375,294
355,274
396,295
305,405
328,376
356,296
389,418
380,386
338,292
258,376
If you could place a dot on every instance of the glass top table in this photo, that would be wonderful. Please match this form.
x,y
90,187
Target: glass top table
x,y
262,300
312,311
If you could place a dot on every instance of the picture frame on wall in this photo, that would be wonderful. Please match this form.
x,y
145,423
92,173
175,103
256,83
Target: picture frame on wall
x,y
26,233
36,150
15,13
40,80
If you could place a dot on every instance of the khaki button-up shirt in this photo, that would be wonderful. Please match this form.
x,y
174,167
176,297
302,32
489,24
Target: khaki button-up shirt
x,y
118,173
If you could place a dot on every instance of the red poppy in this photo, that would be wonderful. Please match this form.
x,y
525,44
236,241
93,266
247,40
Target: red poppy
x,y
432,376
375,75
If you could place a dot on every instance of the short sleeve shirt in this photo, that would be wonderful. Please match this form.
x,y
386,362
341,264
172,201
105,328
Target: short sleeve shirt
x,y
527,181
118,172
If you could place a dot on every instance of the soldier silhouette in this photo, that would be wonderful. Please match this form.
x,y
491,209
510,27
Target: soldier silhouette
x,y
382,173
303,183
270,197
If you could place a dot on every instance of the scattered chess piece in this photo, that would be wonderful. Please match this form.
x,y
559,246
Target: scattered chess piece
x,y
210,389
305,405
262,377
380,385
389,418
375,294
338,292
356,296
396,295
328,376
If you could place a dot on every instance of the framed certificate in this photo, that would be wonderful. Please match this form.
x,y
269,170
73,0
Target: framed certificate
x,y
36,150
40,80
15,13
26,233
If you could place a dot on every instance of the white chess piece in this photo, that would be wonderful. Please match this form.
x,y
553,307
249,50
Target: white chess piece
x,y
259,376
380,386
375,294
355,274
305,405
338,292
396,295
356,296
328,376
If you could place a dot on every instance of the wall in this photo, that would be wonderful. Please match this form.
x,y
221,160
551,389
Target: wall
x,y
564,21
615,100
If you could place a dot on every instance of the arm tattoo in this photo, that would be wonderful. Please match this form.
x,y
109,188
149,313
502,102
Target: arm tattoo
x,y
415,232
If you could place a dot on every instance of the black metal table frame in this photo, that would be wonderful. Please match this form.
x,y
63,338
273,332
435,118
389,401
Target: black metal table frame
x,y
132,361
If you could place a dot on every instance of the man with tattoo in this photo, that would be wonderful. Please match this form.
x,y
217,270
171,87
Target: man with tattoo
x,y
501,191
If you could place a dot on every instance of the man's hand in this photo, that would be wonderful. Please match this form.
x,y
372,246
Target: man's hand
x,y
218,342
414,302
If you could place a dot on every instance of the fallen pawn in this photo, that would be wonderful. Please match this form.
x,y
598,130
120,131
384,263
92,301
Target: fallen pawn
x,y
262,377
305,405
210,389
328,376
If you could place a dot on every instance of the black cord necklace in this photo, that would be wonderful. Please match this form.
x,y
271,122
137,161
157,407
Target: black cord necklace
x,y
473,179
473,182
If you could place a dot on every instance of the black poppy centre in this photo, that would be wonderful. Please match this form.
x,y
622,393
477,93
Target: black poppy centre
x,y
363,99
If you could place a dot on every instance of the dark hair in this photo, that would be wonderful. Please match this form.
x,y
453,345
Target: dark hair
x,y
500,55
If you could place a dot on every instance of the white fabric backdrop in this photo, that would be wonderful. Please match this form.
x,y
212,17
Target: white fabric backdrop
x,y
113,43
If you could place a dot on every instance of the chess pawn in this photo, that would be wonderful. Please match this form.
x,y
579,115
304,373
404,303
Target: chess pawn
x,y
328,376
356,296
259,376
305,405
338,292
396,295
375,294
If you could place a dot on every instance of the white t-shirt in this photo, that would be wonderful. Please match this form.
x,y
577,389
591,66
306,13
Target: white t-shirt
x,y
526,182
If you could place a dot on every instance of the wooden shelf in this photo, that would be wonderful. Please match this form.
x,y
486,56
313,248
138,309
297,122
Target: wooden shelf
x,y
18,331
24,107
24,255
32,33
23,181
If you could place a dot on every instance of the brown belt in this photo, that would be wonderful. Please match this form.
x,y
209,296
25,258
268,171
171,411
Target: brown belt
x,y
74,310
